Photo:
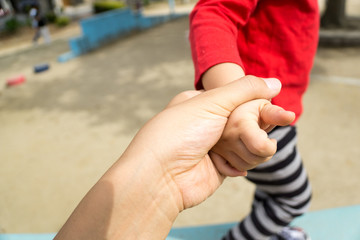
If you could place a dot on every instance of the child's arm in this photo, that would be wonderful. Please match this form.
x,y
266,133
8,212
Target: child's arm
x,y
221,74
214,26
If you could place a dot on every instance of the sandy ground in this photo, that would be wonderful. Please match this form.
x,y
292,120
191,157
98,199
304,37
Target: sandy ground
x,y
64,127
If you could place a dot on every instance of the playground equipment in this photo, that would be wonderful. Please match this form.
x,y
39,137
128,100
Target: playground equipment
x,y
15,80
330,224
41,67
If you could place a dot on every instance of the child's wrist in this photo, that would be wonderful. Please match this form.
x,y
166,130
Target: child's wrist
x,y
221,74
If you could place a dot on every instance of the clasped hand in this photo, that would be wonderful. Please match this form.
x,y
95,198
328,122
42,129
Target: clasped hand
x,y
178,159
201,137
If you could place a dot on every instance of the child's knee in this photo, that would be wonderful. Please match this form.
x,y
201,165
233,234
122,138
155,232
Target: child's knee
x,y
299,204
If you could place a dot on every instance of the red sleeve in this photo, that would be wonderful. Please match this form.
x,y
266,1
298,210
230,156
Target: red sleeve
x,y
214,28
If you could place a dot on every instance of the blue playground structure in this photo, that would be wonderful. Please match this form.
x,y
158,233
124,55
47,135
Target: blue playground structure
x,y
108,26
331,224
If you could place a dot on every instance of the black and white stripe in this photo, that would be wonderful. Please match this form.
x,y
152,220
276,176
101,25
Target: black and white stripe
x,y
282,190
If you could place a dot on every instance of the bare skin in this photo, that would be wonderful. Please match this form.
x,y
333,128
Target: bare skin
x,y
237,152
166,168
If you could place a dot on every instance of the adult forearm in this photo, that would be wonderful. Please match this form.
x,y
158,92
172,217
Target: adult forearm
x,y
165,169
131,201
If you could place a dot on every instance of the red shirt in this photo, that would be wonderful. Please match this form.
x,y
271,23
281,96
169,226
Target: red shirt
x,y
267,38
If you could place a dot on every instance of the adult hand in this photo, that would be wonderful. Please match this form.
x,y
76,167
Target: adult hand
x,y
182,135
166,167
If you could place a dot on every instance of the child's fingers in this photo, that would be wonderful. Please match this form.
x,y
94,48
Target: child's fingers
x,y
224,167
275,115
240,150
256,140
235,152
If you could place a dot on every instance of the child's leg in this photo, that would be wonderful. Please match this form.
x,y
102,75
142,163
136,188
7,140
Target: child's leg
x,y
36,35
45,34
282,191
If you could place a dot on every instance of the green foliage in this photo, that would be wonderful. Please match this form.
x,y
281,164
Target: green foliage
x,y
51,17
12,25
103,6
62,21
26,9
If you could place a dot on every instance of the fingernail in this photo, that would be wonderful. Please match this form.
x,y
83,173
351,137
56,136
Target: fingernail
x,y
273,83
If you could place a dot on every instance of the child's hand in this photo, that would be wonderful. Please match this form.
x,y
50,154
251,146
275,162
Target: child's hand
x,y
244,143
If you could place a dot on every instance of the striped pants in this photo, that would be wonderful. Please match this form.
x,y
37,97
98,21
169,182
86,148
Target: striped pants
x,y
282,191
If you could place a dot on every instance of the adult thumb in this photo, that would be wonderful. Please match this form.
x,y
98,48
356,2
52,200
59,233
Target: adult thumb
x,y
225,99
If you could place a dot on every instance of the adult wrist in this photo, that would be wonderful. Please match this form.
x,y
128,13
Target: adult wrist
x,y
152,213
133,200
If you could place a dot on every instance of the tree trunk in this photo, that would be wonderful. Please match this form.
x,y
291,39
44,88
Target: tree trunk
x,y
334,15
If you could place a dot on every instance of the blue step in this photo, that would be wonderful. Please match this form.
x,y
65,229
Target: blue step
x,y
331,224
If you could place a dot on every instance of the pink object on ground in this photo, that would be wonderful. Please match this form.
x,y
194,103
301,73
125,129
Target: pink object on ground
x,y
15,80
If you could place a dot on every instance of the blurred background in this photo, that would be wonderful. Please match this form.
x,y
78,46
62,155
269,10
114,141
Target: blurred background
x,y
62,124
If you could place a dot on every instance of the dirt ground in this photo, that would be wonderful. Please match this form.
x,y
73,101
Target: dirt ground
x,y
63,128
